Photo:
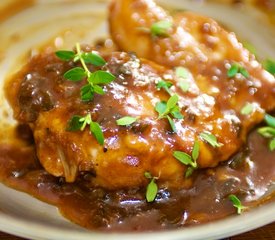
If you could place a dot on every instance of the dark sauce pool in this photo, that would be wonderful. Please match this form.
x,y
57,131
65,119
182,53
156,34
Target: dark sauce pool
x,y
248,175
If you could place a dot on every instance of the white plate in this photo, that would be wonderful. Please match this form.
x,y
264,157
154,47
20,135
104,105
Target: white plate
x,y
62,23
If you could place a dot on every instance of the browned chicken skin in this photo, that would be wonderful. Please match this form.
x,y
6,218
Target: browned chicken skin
x,y
42,98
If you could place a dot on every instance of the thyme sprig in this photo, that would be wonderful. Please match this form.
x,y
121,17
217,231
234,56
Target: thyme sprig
x,y
77,123
169,110
189,160
95,80
152,187
236,203
269,131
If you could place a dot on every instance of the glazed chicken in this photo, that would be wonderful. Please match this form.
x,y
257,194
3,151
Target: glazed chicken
x,y
213,103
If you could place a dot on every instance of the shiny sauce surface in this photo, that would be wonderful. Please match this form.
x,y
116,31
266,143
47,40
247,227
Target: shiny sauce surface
x,y
248,175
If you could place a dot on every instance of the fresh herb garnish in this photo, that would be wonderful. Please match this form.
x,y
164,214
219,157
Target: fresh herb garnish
x,y
65,55
270,120
237,68
77,123
269,131
247,109
169,109
211,139
236,203
183,74
94,79
161,28
165,85
269,65
272,145
189,160
152,187
250,47
75,74
125,121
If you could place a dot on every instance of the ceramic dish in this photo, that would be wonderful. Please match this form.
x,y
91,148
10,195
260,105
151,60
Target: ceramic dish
x,y
60,24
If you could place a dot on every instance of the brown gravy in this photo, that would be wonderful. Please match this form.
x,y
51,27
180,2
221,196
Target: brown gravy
x,y
248,174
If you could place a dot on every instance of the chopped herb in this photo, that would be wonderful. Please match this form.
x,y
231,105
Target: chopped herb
x,y
95,79
269,131
160,108
184,85
93,58
182,72
87,93
196,151
148,175
250,47
236,203
270,120
65,55
97,132
272,145
165,85
172,123
247,109
189,172
171,108
151,191
172,102
184,158
269,65
161,28
100,77
79,123
233,70
244,72
211,139
74,124
237,68
152,187
76,74
189,160
85,121
124,121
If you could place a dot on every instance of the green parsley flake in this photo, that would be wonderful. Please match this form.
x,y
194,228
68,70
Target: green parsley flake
x,y
152,187
211,139
183,74
269,65
125,121
161,28
250,47
270,120
151,191
165,85
237,68
272,145
247,109
65,55
236,203
269,131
